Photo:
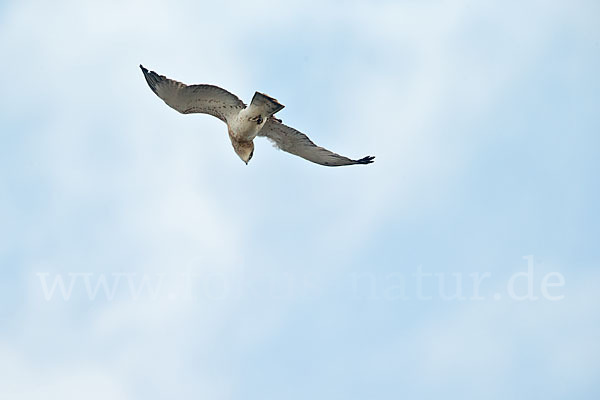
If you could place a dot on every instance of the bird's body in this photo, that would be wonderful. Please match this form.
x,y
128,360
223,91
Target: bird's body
x,y
248,122
244,123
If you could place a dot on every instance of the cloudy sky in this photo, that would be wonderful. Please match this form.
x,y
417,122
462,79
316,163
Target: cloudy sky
x,y
141,259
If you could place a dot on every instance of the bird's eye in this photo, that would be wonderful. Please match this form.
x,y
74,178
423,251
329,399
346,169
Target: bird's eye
x,y
251,154
259,120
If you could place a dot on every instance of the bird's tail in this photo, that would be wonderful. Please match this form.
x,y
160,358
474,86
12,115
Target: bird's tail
x,y
265,105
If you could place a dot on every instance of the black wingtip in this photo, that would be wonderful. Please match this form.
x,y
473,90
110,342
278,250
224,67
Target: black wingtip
x,y
152,78
365,160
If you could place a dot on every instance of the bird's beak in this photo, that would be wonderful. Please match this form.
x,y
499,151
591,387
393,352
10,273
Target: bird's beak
x,y
246,162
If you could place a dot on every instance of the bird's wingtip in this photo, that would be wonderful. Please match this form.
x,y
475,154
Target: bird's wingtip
x,y
366,160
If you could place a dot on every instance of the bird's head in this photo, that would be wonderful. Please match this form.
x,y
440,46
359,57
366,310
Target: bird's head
x,y
245,150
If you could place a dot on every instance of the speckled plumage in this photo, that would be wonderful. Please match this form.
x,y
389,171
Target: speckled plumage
x,y
244,123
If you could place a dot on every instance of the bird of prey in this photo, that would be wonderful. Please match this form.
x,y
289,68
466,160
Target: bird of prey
x,y
244,123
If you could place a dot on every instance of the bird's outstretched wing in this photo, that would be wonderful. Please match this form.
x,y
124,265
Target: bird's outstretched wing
x,y
294,142
206,99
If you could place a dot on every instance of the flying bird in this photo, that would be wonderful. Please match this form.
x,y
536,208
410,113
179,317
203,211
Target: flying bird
x,y
244,123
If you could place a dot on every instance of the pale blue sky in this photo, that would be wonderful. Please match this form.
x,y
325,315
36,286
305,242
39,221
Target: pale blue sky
x,y
484,120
